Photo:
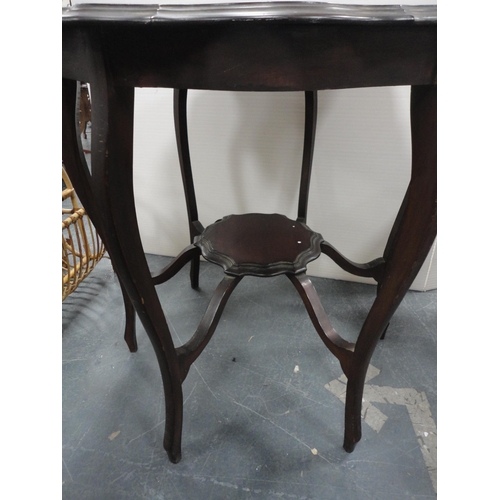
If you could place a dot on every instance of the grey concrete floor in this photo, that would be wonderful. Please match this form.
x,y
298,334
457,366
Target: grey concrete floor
x,y
263,405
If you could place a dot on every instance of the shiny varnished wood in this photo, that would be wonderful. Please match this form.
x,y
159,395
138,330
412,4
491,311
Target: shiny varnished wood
x,y
181,134
274,46
251,11
267,46
260,245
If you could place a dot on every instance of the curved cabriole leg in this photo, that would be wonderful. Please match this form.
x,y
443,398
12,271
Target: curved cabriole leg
x,y
411,242
339,347
76,165
108,196
188,254
390,241
112,189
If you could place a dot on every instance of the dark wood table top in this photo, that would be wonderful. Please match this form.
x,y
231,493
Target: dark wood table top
x,y
277,46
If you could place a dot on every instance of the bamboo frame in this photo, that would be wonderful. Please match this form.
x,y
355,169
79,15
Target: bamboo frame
x,y
82,248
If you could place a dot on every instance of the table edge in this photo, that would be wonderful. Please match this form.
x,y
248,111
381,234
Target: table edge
x,y
286,11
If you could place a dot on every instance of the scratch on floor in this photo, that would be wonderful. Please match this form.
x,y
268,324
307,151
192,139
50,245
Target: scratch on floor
x,y
367,495
285,385
66,467
205,463
174,331
81,439
192,390
144,433
283,430
204,381
275,414
259,491
270,421
119,477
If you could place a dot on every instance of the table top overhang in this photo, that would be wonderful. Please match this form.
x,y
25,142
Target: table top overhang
x,y
313,12
262,46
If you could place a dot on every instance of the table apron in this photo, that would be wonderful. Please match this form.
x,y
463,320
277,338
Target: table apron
x,y
248,56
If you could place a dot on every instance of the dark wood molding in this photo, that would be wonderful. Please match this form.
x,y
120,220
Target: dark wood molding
x,y
260,245
314,12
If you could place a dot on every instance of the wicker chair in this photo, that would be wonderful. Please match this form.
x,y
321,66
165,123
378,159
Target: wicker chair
x,y
82,248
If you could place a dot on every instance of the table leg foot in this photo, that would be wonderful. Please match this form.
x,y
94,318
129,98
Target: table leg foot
x,y
354,397
349,444
173,430
175,458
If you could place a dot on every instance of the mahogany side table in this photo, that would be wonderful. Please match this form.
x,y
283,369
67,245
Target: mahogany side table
x,y
264,46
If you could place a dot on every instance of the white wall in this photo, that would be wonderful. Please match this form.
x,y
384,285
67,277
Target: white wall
x,y
246,152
